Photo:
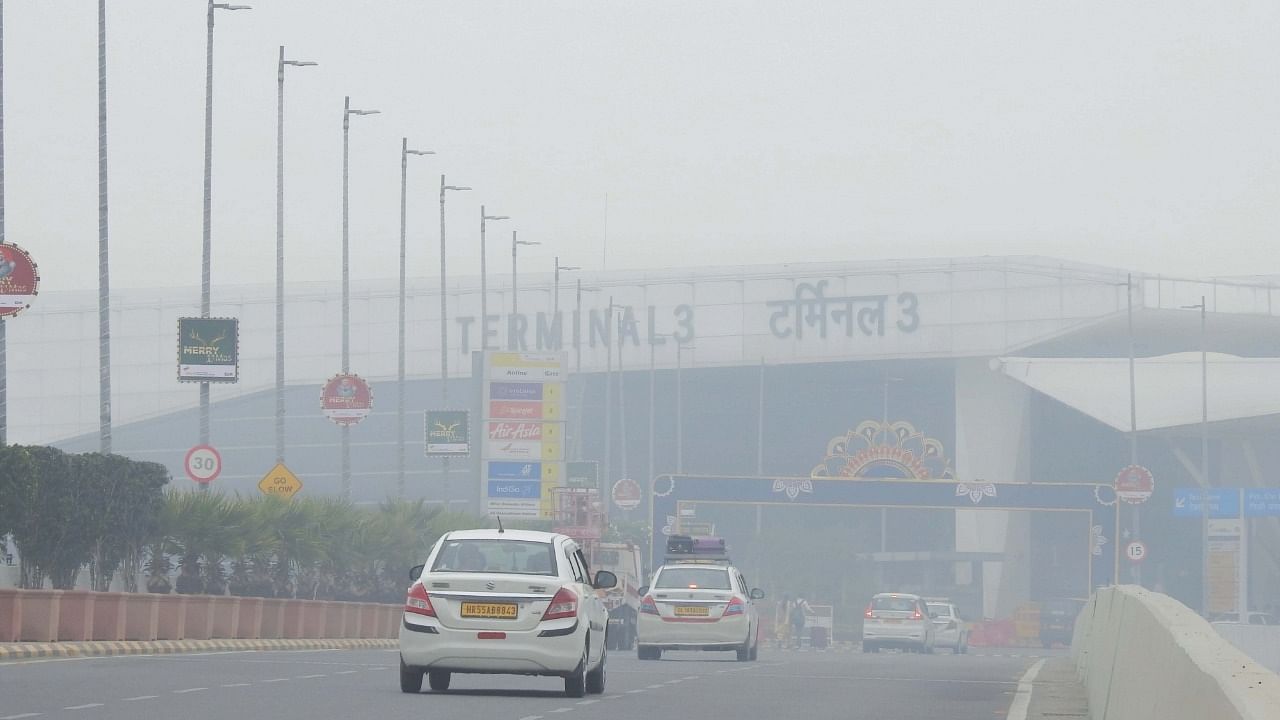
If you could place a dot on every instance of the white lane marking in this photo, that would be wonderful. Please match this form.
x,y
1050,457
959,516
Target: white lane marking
x,y
83,707
231,685
275,680
310,677
588,702
346,672
677,681
633,692
689,677
561,710
1022,700
140,697
654,687
188,690
531,717
20,716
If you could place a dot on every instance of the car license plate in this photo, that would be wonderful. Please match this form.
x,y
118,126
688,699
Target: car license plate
x,y
893,621
692,611
498,611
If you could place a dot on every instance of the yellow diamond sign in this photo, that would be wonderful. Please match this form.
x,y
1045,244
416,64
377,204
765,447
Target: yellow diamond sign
x,y
280,482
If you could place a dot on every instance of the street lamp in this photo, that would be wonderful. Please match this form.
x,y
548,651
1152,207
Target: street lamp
x,y
207,245
280,246
405,152
1204,460
680,405
444,326
347,112
514,245
555,306
484,288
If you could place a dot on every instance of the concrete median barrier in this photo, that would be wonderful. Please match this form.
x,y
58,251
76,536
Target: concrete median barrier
x,y
74,616
1145,656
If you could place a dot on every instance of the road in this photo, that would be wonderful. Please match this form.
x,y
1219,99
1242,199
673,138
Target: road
x,y
364,684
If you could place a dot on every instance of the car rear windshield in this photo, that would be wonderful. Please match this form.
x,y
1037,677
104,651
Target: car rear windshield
x,y
940,610
522,557
702,578
893,604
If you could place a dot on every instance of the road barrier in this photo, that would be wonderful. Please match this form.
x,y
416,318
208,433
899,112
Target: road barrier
x,y
1145,656
80,616
1260,642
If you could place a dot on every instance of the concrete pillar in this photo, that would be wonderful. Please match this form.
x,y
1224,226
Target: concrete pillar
x,y
993,444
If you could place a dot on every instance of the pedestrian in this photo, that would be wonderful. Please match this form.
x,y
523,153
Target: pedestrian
x,y
782,622
799,612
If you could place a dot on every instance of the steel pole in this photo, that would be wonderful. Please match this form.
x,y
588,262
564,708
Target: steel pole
x,y
653,352
404,182
444,341
104,285
1204,457
280,258
346,288
207,245
679,409
608,407
4,361
1135,518
484,289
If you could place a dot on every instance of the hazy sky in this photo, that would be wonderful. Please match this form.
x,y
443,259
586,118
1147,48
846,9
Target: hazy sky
x,y
1140,134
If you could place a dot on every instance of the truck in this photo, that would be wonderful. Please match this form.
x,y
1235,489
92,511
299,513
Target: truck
x,y
623,600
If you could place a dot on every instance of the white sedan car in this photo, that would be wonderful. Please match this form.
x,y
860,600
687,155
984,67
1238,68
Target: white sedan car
x,y
698,607
505,602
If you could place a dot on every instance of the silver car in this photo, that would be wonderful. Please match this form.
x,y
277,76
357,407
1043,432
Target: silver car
x,y
897,620
948,629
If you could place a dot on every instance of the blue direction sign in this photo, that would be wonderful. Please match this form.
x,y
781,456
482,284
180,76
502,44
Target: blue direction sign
x,y
1262,502
1223,502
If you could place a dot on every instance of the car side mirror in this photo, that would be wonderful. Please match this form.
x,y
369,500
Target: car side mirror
x,y
757,594
605,580
415,572
644,590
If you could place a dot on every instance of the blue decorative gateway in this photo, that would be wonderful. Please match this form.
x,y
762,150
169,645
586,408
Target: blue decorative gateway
x,y
671,492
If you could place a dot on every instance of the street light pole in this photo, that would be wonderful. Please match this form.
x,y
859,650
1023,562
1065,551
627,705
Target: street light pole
x,y
484,288
511,341
1204,460
280,246
1136,520
555,306
104,281
207,245
680,406
347,112
405,152
444,327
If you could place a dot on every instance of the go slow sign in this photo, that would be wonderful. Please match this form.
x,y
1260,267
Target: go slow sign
x,y
281,482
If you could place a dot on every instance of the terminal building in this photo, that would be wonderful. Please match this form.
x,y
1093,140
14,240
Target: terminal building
x,y
975,372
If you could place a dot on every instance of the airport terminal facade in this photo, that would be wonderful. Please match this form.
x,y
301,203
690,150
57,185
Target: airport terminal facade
x,y
965,371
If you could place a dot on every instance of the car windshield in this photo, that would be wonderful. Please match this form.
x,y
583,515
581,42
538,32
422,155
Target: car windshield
x,y
940,610
496,556
893,604
700,578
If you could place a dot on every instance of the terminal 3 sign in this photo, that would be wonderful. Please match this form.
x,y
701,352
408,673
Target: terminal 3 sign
x,y
808,313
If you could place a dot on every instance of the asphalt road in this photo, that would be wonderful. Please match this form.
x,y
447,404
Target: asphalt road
x,y
364,684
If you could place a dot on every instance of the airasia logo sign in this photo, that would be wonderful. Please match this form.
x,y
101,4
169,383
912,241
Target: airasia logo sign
x,y
515,431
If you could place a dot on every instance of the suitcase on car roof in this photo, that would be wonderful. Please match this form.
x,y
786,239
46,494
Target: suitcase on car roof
x,y
708,545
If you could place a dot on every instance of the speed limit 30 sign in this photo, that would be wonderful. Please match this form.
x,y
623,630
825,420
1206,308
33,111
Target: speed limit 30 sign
x,y
203,464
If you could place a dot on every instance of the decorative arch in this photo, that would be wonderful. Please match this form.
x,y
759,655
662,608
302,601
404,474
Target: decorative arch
x,y
879,450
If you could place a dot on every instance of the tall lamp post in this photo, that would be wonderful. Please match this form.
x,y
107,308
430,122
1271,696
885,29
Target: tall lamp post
x,y
104,289
484,287
405,152
515,244
444,326
283,63
1204,460
207,246
347,112
555,302
680,405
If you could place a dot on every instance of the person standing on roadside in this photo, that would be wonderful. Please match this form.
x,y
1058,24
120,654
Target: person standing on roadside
x,y
799,617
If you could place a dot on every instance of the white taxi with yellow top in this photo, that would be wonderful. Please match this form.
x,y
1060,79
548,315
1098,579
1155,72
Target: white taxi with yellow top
x,y
505,602
698,601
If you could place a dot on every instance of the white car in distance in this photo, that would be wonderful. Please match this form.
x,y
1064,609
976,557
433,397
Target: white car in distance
x,y
511,602
949,630
694,606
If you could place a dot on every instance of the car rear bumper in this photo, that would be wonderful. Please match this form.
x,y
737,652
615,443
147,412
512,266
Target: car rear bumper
x,y
724,633
424,643
892,634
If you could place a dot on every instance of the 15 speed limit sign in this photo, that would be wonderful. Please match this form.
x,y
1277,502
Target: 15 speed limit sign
x,y
203,464
1136,551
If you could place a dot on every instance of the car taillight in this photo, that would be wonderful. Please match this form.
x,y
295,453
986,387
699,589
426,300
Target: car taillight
x,y
868,614
563,605
735,607
418,602
648,606
917,616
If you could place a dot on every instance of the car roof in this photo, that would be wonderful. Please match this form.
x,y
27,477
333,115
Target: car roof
x,y
907,596
495,534
714,566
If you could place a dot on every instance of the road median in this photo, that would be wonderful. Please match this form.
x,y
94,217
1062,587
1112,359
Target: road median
x,y
21,651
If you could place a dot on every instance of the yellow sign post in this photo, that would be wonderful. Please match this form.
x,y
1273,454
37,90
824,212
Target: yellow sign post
x,y
281,482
